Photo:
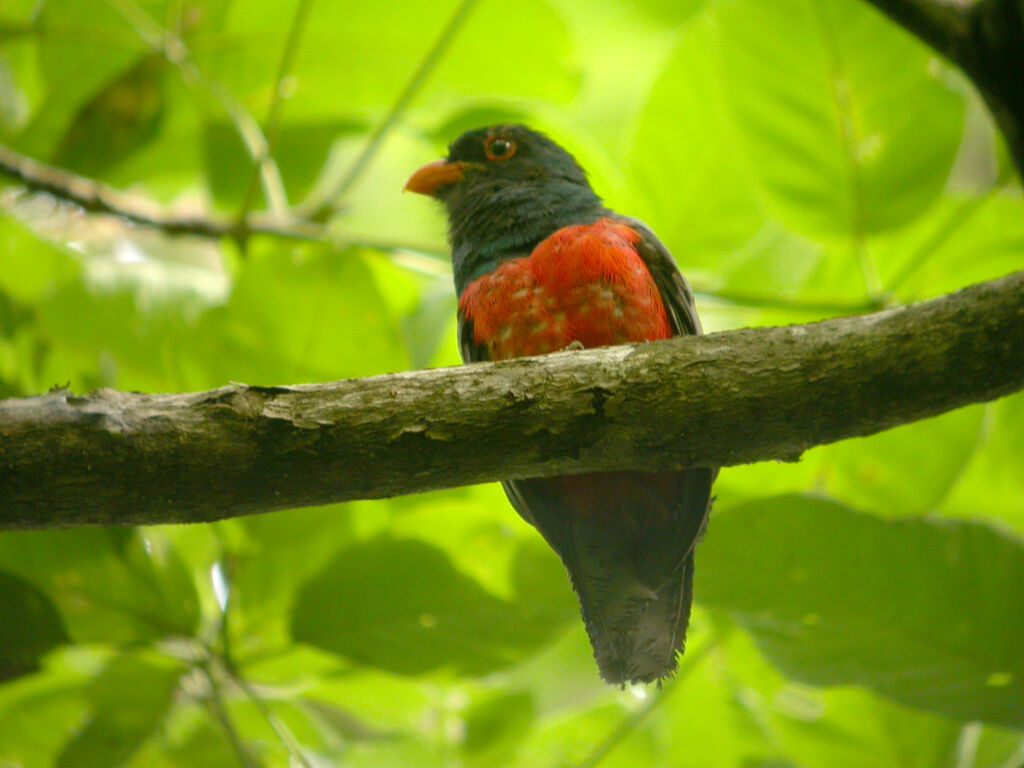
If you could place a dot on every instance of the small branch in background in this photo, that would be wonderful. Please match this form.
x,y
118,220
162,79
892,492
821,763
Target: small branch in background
x,y
763,301
276,724
272,130
311,208
96,197
218,708
173,49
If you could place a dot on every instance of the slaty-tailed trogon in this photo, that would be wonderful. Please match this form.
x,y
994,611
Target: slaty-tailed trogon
x,y
541,265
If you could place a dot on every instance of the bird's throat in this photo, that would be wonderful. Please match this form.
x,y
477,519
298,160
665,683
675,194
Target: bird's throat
x,y
485,230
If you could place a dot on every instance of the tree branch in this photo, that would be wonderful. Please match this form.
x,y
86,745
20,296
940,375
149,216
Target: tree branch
x,y
728,398
335,192
96,197
273,124
174,50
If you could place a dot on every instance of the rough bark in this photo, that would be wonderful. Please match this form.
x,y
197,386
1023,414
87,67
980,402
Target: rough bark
x,y
723,399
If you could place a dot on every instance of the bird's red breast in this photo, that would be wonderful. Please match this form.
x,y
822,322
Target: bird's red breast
x,y
584,284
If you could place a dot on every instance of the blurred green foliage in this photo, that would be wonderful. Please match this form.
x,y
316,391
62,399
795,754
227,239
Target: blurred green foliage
x,y
801,158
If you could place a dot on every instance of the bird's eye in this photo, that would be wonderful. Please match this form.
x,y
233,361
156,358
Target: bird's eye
x,y
499,148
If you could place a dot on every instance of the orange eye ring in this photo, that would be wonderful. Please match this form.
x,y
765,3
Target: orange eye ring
x,y
499,148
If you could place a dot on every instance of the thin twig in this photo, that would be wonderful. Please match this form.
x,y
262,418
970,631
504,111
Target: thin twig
x,y
220,713
282,731
173,49
416,82
96,197
627,726
764,301
227,662
963,213
272,130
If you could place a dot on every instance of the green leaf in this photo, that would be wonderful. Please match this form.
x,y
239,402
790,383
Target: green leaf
x,y
707,718
129,699
206,746
422,753
106,336
819,93
995,748
38,713
620,49
267,561
110,585
117,121
18,10
836,727
473,116
903,471
394,35
388,704
929,613
72,32
992,484
344,723
296,314
495,727
571,740
970,239
400,605
30,267
686,166
423,331
29,626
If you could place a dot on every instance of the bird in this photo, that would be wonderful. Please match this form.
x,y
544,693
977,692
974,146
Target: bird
x,y
541,265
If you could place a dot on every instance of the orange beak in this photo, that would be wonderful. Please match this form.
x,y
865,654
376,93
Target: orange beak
x,y
432,176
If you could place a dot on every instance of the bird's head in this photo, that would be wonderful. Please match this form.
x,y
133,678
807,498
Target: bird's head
x,y
505,188
489,160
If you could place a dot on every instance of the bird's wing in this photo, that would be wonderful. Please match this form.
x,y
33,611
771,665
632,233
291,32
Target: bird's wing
x,y
675,291
471,351
682,312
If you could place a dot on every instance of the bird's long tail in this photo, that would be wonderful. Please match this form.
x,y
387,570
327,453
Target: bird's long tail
x,y
627,540
637,628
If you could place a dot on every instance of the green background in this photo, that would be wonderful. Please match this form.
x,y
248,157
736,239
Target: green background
x,y
801,158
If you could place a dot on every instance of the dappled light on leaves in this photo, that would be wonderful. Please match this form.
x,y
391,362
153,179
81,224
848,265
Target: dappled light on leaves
x,y
196,193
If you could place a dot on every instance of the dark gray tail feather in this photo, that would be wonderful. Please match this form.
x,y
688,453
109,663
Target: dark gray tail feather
x,y
636,629
631,564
